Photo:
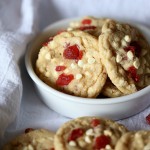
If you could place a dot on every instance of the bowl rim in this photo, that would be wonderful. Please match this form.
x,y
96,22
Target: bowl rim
x,y
39,82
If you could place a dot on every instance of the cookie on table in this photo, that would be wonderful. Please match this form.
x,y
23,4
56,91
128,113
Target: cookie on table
x,y
90,133
88,24
71,63
126,55
34,140
139,140
110,90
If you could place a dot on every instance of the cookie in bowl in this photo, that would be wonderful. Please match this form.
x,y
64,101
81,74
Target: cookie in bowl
x,y
125,54
70,62
90,133
88,24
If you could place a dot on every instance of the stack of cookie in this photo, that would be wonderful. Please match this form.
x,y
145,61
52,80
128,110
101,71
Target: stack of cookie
x,y
84,133
96,56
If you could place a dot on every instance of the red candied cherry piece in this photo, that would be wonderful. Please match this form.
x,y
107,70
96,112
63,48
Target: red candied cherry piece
x,y
76,133
64,79
60,68
72,52
135,48
133,71
130,48
101,142
87,28
86,21
148,119
46,43
28,130
95,122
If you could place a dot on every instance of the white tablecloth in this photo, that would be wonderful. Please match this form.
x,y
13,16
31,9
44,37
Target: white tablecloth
x,y
19,20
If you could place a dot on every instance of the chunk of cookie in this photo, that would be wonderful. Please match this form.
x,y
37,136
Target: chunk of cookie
x,y
126,56
71,63
110,90
34,140
88,24
90,133
139,140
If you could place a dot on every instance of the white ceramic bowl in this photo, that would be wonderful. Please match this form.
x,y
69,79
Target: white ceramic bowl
x,y
72,106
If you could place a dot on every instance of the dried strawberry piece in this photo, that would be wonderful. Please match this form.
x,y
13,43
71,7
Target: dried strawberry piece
x,y
64,79
72,52
130,48
87,28
133,71
28,130
60,68
101,142
76,133
49,40
135,48
86,21
95,122
148,119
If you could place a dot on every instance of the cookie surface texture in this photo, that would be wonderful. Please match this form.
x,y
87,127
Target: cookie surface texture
x,y
34,140
139,140
71,63
90,133
126,56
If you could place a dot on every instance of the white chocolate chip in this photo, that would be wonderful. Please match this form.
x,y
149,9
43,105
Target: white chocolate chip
x,y
127,38
124,43
48,56
87,74
136,63
90,132
47,74
78,76
72,143
108,147
82,143
130,55
52,44
118,58
115,44
88,139
66,71
91,60
73,66
107,132
69,29
80,63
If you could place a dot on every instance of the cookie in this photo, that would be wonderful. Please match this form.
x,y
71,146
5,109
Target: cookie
x,y
33,140
126,55
88,24
139,140
88,133
110,90
71,63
